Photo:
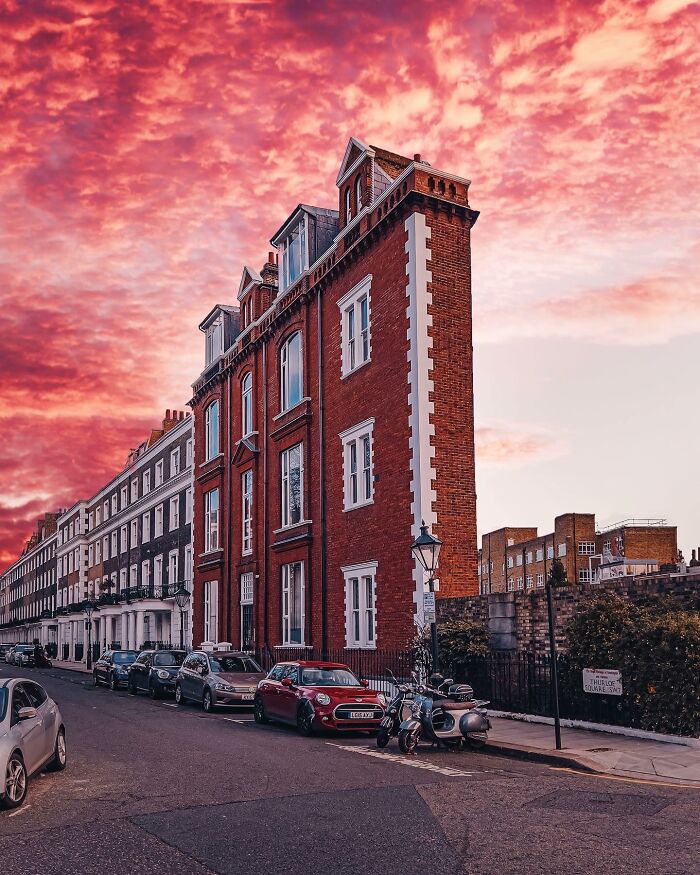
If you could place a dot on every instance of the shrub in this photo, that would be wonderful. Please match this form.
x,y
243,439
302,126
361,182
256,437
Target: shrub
x,y
459,642
657,650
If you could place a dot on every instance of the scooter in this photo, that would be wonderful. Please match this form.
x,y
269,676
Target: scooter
x,y
398,710
446,719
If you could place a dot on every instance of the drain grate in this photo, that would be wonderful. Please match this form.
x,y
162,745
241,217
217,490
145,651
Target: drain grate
x,y
614,804
599,749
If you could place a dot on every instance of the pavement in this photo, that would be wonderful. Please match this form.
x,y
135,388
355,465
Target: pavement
x,y
153,788
595,751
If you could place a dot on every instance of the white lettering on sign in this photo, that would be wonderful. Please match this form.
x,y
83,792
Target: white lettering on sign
x,y
606,682
429,607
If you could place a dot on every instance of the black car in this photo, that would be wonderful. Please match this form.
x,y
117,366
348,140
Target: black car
x,y
155,671
112,668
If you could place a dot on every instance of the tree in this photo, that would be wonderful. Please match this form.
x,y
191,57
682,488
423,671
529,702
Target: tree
x,y
557,574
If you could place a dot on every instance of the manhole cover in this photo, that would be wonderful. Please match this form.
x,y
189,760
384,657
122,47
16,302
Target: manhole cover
x,y
614,804
598,749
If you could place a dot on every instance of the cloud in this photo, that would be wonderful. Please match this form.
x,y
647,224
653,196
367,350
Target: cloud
x,y
513,444
148,150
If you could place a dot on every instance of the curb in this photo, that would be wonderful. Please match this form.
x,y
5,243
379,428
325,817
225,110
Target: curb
x,y
570,761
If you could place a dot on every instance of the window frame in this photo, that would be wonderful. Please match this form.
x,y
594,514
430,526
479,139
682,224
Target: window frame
x,y
247,404
212,429
355,335
247,512
286,402
211,525
286,595
286,488
358,477
361,605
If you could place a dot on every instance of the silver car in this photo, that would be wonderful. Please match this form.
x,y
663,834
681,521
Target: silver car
x,y
32,735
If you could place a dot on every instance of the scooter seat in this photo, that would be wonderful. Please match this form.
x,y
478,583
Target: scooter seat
x,y
449,705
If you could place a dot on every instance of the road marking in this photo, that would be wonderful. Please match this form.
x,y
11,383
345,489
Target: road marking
x,y
404,760
603,777
20,811
169,704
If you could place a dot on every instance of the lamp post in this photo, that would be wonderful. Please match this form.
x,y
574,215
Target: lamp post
x,y
426,549
89,608
182,598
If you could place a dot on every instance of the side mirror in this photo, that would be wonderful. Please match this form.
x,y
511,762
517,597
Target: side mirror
x,y
287,682
364,683
448,681
26,713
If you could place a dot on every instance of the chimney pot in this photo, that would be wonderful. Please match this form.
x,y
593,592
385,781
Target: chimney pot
x,y
416,157
270,258
167,414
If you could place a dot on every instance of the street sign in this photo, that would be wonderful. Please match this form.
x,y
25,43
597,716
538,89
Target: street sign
x,y
606,682
429,607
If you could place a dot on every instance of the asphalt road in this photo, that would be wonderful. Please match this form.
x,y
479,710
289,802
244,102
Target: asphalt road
x,y
155,788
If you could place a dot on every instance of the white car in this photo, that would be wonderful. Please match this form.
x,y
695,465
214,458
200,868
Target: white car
x,y
32,735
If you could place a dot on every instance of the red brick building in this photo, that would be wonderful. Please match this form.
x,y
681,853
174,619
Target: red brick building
x,y
334,413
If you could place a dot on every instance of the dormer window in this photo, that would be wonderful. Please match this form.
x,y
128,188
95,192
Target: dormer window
x,y
295,254
214,340
358,193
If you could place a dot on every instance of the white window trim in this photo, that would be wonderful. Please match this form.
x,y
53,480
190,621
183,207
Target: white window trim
x,y
287,524
211,617
285,373
360,571
286,617
246,521
348,437
351,299
210,432
208,548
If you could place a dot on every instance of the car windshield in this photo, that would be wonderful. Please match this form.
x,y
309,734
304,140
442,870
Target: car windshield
x,y
233,664
173,658
25,648
3,703
328,677
124,657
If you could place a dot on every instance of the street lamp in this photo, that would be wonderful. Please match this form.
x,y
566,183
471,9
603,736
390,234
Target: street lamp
x,y
426,549
89,608
182,598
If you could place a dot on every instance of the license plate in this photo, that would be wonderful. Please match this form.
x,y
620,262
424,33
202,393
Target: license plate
x,y
248,697
361,715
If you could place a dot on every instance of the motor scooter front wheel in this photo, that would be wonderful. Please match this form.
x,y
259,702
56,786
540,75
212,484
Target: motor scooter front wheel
x,y
408,740
383,737
477,740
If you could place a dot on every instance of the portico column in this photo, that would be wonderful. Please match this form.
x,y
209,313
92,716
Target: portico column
x,y
139,629
132,630
165,624
124,637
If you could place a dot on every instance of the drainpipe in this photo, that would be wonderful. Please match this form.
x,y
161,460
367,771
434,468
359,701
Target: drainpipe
x,y
265,586
229,462
322,478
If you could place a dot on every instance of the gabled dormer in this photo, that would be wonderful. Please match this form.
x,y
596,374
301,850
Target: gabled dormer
x,y
220,328
365,173
303,239
250,282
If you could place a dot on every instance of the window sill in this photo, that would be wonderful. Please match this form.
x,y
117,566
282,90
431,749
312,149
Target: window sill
x,y
247,436
294,646
209,461
361,646
355,369
290,409
358,506
292,526
211,553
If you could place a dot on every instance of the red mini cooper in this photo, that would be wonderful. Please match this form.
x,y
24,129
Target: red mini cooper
x,y
318,695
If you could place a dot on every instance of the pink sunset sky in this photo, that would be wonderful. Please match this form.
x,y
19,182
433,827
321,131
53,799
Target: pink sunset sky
x,y
149,149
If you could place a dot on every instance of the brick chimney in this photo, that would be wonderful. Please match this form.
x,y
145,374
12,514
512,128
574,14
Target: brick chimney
x,y
171,419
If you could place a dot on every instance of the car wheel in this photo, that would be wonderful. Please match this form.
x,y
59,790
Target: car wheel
x,y
15,782
259,711
152,690
132,688
179,698
113,685
305,721
60,756
477,740
208,702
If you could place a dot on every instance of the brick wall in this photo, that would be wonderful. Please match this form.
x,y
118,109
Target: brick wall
x,y
519,619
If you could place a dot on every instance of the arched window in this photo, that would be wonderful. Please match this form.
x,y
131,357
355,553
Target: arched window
x,y
291,373
358,193
211,427
247,403
348,207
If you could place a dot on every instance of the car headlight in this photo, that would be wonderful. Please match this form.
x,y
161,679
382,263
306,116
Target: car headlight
x,y
163,675
226,688
323,699
381,698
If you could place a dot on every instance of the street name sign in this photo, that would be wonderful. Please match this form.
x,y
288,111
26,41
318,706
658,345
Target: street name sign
x,y
606,682
429,607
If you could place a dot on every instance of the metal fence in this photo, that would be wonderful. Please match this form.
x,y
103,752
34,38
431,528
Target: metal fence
x,y
371,665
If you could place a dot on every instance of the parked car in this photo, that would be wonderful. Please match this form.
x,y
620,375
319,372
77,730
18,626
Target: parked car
x,y
220,678
5,650
155,671
318,695
112,668
23,654
32,735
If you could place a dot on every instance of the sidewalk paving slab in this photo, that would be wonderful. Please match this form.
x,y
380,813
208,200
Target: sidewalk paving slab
x,y
596,751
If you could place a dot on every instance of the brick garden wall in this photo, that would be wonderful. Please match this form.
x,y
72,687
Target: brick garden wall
x,y
518,620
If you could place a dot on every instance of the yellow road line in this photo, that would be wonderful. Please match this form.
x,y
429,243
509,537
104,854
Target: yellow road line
x,y
620,778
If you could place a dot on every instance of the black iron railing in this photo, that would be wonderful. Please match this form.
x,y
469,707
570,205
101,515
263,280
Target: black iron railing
x,y
369,664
